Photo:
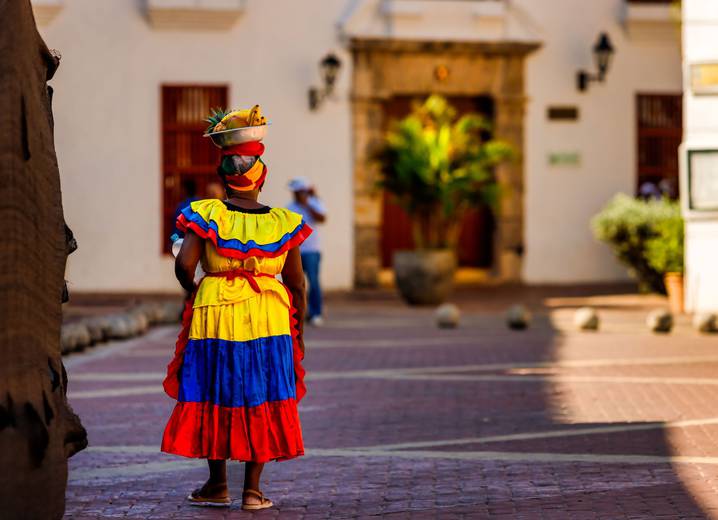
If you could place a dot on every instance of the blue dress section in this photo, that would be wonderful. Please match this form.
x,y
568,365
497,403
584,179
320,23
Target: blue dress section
x,y
238,373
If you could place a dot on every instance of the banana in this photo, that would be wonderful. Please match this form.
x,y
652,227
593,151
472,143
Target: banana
x,y
242,118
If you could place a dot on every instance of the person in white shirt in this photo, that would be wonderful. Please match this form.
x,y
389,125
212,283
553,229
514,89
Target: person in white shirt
x,y
310,207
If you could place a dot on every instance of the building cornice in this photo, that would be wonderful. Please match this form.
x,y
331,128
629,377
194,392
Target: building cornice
x,y
198,15
393,45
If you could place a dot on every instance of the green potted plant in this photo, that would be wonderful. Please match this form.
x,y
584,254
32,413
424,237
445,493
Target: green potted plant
x,y
627,224
664,253
437,165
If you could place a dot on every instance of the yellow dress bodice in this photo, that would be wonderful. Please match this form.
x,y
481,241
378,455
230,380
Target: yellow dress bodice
x,y
256,242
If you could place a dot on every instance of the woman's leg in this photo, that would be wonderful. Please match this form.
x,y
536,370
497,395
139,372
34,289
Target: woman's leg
x,y
252,474
217,472
315,298
216,485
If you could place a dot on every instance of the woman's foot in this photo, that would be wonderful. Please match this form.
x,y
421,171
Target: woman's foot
x,y
253,500
211,494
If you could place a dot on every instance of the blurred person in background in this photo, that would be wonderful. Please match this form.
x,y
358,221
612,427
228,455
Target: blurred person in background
x,y
215,191
189,188
307,204
649,190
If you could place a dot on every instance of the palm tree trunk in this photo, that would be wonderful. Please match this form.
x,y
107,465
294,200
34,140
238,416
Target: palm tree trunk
x,y
38,430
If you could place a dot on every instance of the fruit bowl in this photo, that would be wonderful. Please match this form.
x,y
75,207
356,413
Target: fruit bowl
x,y
234,136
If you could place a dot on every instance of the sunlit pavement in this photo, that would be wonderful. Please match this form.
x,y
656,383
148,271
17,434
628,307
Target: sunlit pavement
x,y
409,421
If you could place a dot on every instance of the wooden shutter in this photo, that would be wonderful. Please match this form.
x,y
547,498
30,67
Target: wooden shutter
x,y
187,157
660,131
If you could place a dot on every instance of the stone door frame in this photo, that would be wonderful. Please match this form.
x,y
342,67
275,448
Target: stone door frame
x,y
384,68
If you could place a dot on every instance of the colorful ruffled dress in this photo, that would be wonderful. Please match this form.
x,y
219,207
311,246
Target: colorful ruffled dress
x,y
236,373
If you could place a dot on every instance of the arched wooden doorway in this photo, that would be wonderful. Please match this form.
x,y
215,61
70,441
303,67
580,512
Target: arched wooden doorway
x,y
384,68
477,230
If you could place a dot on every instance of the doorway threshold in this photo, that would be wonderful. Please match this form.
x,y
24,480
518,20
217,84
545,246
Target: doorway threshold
x,y
465,276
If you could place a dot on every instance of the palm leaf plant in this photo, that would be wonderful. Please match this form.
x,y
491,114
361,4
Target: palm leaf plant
x,y
437,165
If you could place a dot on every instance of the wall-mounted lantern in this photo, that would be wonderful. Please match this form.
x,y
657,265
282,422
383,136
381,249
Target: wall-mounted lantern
x,y
602,53
329,70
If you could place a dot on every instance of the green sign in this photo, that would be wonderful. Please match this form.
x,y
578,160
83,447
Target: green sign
x,y
564,159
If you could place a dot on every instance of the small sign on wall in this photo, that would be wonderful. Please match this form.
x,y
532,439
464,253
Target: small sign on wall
x,y
704,78
703,180
562,113
564,159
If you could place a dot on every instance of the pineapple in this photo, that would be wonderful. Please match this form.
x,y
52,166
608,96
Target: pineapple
x,y
215,120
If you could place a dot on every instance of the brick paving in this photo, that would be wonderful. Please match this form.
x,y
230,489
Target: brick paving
x,y
405,420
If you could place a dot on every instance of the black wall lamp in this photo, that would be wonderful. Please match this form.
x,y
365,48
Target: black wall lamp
x,y
602,53
329,70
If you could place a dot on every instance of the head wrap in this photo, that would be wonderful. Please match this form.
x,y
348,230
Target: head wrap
x,y
249,181
255,176
234,126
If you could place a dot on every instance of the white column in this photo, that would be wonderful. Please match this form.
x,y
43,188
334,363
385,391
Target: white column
x,y
700,47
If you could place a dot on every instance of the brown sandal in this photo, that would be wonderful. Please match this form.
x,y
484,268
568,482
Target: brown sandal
x,y
196,499
263,504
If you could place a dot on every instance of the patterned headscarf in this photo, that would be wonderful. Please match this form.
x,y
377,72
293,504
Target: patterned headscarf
x,y
237,180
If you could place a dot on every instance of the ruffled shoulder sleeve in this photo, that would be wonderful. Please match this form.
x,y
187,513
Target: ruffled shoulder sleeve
x,y
240,235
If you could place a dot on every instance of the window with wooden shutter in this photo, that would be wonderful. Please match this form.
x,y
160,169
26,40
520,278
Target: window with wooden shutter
x,y
189,161
660,131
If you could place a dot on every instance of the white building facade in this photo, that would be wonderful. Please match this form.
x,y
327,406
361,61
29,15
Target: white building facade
x,y
124,62
699,154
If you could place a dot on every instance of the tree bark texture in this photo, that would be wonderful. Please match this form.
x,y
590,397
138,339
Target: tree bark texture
x,y
38,430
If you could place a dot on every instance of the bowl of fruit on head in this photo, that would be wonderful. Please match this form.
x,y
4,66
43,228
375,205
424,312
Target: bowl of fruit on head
x,y
229,128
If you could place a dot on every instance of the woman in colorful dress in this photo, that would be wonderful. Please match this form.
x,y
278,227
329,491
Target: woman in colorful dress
x,y
236,374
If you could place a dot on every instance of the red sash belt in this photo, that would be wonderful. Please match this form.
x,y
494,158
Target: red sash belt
x,y
250,276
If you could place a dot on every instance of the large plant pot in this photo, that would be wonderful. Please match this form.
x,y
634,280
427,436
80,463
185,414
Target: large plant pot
x,y
674,287
425,277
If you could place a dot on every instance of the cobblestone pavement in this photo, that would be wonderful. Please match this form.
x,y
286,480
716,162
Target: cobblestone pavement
x,y
405,420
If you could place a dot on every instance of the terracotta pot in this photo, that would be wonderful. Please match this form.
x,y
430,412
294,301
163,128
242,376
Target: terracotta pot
x,y
425,277
674,287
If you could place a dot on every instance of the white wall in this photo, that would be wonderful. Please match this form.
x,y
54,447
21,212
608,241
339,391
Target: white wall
x,y
700,43
560,201
108,128
107,117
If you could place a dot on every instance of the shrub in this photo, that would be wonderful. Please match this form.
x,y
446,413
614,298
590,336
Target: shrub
x,y
664,252
631,227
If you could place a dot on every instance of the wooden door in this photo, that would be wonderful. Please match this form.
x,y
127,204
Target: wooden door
x,y
477,229
660,131
189,161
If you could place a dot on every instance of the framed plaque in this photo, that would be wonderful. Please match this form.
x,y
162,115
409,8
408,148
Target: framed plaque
x,y
703,180
704,78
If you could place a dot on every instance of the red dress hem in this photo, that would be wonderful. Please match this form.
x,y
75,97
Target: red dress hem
x,y
268,432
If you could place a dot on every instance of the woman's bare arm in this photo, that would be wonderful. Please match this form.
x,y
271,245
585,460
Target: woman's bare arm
x,y
187,259
293,278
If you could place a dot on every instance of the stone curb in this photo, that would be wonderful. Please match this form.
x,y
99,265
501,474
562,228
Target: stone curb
x,y
134,321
